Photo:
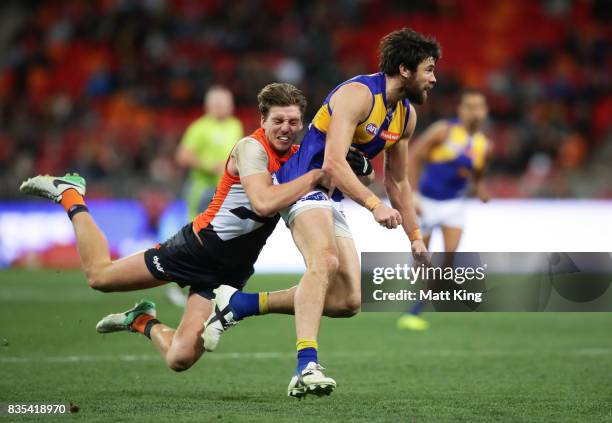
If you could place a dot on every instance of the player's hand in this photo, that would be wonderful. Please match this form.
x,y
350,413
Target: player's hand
x,y
419,252
320,177
386,216
483,194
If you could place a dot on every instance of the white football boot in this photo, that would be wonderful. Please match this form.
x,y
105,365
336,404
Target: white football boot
x,y
221,318
123,321
311,381
53,187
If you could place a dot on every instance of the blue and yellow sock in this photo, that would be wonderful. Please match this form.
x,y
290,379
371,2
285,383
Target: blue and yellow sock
x,y
306,352
245,304
417,308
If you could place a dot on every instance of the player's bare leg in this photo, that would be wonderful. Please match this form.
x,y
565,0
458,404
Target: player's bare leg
x,y
452,236
320,254
342,299
412,320
339,301
127,274
344,292
343,296
180,348
321,258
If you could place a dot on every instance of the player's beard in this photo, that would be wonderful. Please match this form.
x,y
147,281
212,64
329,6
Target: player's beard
x,y
412,91
473,125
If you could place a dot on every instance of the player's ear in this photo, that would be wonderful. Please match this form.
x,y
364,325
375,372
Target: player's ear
x,y
404,71
263,119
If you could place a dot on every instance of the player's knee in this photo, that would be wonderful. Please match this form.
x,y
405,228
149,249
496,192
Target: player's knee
x,y
180,366
342,304
327,262
324,268
179,363
97,281
352,305
349,306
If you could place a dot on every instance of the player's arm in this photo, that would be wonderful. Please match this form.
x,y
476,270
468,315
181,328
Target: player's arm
x,y
397,185
268,199
351,104
187,152
367,180
420,149
186,157
478,181
251,164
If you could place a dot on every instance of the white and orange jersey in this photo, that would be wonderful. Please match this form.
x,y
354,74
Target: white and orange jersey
x,y
230,229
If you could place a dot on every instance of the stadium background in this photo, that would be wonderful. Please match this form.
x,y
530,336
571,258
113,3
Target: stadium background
x,y
106,88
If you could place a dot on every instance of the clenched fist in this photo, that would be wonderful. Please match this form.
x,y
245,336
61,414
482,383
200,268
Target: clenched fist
x,y
386,216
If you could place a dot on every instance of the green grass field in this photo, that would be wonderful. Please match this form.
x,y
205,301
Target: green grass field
x,y
467,368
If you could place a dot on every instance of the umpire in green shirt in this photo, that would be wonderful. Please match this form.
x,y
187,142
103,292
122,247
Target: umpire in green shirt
x,y
205,147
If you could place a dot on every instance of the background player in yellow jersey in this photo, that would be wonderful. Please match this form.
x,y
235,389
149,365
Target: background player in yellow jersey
x,y
454,152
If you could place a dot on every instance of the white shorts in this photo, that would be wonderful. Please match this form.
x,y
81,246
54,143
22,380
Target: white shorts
x,y
450,213
316,200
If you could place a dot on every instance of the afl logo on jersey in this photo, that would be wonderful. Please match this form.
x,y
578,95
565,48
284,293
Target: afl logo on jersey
x,y
371,129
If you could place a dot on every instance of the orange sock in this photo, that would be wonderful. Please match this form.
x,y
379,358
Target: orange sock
x,y
140,323
71,198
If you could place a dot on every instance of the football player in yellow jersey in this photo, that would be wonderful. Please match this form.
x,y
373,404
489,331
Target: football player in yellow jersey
x,y
454,152
371,113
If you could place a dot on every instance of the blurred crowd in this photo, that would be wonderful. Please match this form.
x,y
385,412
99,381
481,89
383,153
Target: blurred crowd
x,y
106,88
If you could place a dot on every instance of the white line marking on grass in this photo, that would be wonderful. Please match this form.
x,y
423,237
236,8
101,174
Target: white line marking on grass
x,y
141,357
291,355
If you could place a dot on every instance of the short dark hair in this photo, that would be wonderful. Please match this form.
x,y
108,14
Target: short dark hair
x,y
471,91
280,94
406,47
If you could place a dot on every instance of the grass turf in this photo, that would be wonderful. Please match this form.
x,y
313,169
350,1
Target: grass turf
x,y
470,367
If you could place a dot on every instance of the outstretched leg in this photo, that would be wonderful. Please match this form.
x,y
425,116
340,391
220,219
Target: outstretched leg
x,y
126,274
102,273
180,348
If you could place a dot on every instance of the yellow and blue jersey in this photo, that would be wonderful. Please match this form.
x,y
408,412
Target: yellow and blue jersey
x,y
382,128
451,163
